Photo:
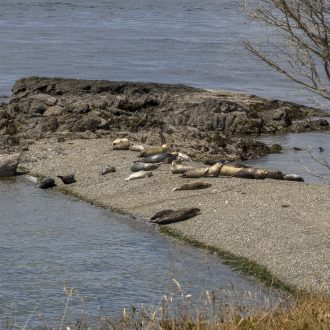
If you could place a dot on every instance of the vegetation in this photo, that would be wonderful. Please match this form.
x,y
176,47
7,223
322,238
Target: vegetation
x,y
302,52
305,312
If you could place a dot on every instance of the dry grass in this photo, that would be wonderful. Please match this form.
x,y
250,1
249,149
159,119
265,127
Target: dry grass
x,y
180,313
308,312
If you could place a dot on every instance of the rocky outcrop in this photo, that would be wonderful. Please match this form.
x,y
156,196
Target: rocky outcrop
x,y
8,164
43,107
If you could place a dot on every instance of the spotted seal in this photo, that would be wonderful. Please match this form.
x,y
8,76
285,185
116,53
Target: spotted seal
x,y
293,177
139,175
137,147
67,179
180,168
196,173
214,170
108,169
171,216
193,185
46,183
230,169
121,144
151,151
166,157
144,166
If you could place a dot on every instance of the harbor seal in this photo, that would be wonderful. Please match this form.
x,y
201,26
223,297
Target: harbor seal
x,y
46,183
144,167
166,157
196,173
293,177
171,216
193,185
67,179
259,173
139,175
137,147
230,169
180,168
214,170
108,169
183,158
151,151
121,144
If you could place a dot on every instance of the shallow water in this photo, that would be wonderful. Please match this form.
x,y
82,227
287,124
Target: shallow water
x,y
49,241
188,41
304,162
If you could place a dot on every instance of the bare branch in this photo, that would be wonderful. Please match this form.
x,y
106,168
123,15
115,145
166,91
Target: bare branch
x,y
305,28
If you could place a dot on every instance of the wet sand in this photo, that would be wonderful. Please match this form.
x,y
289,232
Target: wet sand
x,y
283,226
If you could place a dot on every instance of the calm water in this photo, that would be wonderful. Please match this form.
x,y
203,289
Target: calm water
x,y
188,41
49,241
304,162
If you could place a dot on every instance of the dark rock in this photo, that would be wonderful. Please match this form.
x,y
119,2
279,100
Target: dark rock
x,y
88,123
49,124
79,107
310,125
249,148
282,116
275,148
37,108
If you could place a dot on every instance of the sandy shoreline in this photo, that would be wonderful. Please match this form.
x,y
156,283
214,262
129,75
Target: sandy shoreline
x,y
283,226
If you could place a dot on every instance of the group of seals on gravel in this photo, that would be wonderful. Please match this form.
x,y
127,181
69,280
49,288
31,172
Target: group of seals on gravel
x,y
150,159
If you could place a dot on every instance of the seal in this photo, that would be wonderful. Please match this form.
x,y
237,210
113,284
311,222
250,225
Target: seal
x,y
211,162
193,185
214,170
139,175
121,144
196,173
166,157
230,169
137,147
151,151
144,167
108,169
46,183
183,158
180,168
171,216
258,173
67,179
293,177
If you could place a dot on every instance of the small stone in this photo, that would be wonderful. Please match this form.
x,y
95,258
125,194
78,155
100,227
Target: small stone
x,y
44,98
8,164
55,110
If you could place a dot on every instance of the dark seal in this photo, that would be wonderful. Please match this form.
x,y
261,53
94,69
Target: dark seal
x,y
171,216
67,179
46,183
